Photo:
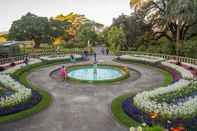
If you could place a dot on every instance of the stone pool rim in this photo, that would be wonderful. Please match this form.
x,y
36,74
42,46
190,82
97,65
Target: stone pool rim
x,y
123,69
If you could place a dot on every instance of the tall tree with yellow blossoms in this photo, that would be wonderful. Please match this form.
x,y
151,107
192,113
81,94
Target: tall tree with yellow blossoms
x,y
75,21
3,38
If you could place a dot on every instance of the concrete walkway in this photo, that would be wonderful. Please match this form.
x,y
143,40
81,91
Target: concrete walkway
x,y
83,107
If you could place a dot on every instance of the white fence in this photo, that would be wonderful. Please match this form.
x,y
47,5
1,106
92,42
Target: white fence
x,y
167,57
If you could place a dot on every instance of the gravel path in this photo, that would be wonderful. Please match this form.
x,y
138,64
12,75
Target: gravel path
x,y
83,107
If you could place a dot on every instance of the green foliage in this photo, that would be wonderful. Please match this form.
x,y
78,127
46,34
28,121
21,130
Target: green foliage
x,y
74,44
132,26
176,21
87,33
57,28
190,48
116,38
163,45
31,27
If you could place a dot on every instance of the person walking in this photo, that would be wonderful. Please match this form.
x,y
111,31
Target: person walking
x,y
107,51
103,50
63,73
26,60
95,60
72,58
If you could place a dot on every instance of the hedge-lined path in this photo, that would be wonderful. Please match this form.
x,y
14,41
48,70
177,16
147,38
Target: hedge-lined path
x,y
83,107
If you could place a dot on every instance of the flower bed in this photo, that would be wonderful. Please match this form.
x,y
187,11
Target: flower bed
x,y
21,65
138,115
190,67
176,76
141,58
14,109
176,103
17,97
59,57
33,100
145,101
20,95
184,73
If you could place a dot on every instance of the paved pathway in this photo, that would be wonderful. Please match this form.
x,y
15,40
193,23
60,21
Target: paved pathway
x,y
83,107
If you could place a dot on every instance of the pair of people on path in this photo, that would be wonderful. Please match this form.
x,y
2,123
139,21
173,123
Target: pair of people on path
x,y
103,51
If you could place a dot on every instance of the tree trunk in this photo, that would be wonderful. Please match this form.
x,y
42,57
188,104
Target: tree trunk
x,y
37,43
178,43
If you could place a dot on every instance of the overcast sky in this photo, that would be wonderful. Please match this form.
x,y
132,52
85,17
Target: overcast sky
x,y
102,11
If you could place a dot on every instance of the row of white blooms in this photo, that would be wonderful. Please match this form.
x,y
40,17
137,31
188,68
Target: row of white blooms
x,y
20,95
13,69
151,59
171,111
143,58
188,64
59,57
184,72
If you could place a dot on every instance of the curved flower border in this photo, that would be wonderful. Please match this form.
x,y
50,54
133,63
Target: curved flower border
x,y
59,57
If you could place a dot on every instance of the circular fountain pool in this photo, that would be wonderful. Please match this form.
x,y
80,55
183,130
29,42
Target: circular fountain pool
x,y
97,73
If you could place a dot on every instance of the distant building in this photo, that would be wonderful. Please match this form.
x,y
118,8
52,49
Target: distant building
x,y
3,37
13,48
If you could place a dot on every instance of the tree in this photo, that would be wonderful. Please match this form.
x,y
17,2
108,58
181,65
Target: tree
x,y
116,38
87,34
170,18
132,26
57,31
75,20
58,28
3,38
31,27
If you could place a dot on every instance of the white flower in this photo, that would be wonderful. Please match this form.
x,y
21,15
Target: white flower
x,y
59,57
184,73
145,101
20,95
144,58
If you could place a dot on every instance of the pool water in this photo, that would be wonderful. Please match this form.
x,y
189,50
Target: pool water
x,y
94,74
